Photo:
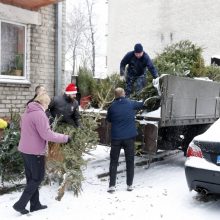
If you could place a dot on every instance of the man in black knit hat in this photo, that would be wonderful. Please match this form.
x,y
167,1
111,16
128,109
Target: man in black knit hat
x,y
135,63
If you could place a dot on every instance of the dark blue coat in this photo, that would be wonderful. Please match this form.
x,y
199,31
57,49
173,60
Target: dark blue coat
x,y
121,115
137,67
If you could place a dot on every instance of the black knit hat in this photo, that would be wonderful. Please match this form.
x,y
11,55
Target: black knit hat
x,y
138,48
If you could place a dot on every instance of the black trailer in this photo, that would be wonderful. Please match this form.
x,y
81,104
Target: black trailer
x,y
187,107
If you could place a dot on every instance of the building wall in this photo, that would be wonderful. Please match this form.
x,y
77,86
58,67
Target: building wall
x,y
40,63
158,23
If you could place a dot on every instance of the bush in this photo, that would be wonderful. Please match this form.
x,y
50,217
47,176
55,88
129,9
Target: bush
x,y
178,59
85,82
11,162
101,90
103,93
213,72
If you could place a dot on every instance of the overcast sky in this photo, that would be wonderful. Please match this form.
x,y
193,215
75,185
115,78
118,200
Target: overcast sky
x,y
100,22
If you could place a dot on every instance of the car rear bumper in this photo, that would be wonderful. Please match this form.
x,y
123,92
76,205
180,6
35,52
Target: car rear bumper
x,y
199,177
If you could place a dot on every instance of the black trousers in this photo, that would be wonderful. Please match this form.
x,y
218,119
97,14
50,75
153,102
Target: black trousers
x,y
34,171
116,146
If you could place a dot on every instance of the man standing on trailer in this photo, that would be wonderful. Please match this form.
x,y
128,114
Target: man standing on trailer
x,y
135,64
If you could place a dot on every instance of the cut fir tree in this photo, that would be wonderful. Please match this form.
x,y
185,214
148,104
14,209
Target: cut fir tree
x,y
65,161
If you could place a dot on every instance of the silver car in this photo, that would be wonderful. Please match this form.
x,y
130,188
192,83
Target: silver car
x,y
202,166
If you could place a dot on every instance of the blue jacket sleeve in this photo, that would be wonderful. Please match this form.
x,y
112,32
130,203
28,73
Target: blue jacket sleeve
x,y
137,105
124,62
151,67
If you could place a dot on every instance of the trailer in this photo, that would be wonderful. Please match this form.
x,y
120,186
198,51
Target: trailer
x,y
187,107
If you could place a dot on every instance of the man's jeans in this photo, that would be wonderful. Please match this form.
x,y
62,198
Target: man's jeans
x,y
138,81
116,145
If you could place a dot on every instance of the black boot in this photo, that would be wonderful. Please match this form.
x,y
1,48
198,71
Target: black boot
x,y
23,211
39,207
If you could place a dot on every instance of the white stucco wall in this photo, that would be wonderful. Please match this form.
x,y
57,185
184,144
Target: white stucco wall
x,y
158,23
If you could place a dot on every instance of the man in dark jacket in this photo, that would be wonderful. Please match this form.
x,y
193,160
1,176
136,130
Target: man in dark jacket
x,y
121,115
137,62
66,107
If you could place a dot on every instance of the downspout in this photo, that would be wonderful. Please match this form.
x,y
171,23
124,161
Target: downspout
x,y
58,49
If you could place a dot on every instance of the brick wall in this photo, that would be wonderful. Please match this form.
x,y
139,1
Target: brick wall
x,y
40,63
12,97
158,23
42,46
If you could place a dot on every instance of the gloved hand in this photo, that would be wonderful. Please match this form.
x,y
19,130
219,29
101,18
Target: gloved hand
x,y
69,140
156,82
122,78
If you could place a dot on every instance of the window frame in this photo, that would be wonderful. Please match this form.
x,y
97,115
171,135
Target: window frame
x,y
15,79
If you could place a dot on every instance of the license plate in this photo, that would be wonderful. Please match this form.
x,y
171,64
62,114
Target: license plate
x,y
218,159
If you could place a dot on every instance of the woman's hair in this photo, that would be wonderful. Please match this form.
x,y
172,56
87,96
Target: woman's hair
x,y
39,88
43,98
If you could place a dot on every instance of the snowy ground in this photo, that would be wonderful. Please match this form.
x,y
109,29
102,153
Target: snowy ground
x,y
160,193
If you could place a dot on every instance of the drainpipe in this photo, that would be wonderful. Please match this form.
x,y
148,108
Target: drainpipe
x,y
58,49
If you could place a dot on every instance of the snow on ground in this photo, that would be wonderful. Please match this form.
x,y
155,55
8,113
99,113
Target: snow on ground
x,y
160,192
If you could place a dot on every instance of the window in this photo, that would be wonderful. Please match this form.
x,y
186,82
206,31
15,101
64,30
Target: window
x,y
12,50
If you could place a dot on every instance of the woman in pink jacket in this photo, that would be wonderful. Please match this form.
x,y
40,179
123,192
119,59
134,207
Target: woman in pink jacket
x,y
35,133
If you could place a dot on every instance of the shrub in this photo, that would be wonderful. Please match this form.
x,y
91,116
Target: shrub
x,y
85,81
11,163
179,58
103,93
213,72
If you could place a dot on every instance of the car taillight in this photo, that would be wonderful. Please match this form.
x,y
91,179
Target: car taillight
x,y
194,151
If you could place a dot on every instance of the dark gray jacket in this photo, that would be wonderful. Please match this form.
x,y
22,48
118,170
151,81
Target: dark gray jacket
x,y
65,107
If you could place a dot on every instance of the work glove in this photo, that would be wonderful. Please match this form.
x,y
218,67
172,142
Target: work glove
x,y
156,84
122,78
